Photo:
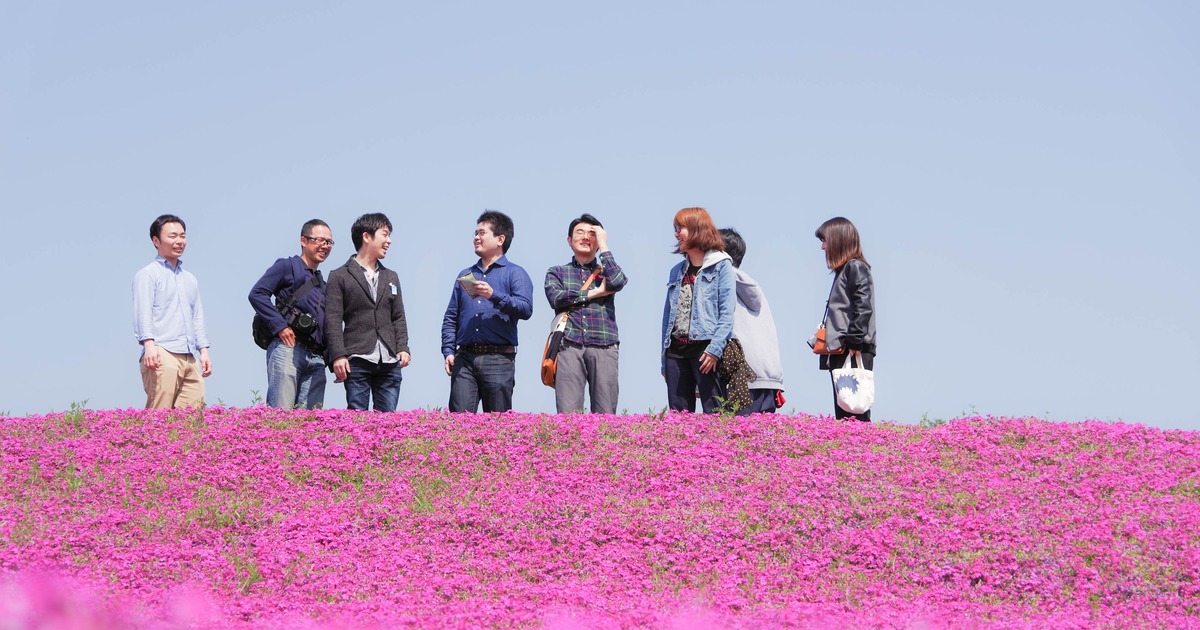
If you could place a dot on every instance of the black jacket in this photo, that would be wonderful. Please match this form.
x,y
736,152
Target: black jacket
x,y
348,302
851,319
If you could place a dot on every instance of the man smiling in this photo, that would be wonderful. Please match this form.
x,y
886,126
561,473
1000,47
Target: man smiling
x,y
365,298
168,321
295,367
479,329
589,353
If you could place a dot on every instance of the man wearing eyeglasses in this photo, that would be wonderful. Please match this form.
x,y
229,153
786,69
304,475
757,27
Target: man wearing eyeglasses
x,y
589,355
479,329
296,317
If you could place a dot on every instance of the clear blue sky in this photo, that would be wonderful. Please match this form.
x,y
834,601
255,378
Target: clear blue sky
x,y
1025,176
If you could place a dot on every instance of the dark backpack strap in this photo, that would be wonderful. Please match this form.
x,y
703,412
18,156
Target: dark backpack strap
x,y
295,298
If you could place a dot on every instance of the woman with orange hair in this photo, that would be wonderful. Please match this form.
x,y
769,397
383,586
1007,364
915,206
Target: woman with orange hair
x,y
698,313
850,311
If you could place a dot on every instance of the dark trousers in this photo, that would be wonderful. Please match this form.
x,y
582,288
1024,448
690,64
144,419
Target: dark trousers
x,y
761,401
486,378
378,381
684,380
839,360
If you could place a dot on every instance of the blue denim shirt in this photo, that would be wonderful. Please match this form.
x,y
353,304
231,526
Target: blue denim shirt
x,y
471,321
714,299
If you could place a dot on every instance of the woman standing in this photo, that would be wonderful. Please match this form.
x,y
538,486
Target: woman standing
x,y
698,313
850,318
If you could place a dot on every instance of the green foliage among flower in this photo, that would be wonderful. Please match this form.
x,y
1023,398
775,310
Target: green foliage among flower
x,y
270,518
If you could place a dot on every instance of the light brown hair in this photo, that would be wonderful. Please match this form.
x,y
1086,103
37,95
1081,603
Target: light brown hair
x,y
702,233
841,243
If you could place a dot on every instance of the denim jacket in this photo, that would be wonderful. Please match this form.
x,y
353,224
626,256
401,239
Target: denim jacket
x,y
714,298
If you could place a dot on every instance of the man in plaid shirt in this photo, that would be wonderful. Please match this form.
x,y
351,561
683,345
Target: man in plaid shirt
x,y
590,344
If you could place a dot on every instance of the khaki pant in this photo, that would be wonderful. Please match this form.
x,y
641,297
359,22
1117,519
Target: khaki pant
x,y
177,383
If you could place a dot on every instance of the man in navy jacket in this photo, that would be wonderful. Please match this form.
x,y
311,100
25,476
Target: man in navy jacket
x,y
295,367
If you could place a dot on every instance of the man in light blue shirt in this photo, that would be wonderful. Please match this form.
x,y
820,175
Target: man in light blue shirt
x,y
168,321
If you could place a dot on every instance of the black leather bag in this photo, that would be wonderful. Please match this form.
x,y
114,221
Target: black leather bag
x,y
262,335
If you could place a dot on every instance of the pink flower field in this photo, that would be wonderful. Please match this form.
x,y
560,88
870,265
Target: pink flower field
x,y
266,518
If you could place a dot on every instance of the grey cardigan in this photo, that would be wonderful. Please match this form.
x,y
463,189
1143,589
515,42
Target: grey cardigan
x,y
348,302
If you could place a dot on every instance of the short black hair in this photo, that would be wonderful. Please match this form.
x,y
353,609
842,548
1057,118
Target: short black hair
x,y
306,230
157,226
501,226
369,224
734,245
584,218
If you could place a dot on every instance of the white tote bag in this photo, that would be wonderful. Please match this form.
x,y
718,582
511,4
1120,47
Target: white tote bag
x,y
855,386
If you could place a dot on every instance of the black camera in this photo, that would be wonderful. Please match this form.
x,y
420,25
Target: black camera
x,y
302,323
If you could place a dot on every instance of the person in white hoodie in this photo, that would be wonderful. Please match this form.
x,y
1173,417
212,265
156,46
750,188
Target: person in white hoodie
x,y
698,313
754,328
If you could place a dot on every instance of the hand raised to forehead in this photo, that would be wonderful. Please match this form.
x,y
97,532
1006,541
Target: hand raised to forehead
x,y
601,237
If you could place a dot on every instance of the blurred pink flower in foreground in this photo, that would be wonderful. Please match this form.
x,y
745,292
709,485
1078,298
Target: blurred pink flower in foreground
x,y
329,519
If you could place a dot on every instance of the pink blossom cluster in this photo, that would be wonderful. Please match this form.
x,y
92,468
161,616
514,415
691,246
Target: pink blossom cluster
x,y
269,518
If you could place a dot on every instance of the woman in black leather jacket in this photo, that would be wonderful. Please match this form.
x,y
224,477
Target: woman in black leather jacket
x,y
850,323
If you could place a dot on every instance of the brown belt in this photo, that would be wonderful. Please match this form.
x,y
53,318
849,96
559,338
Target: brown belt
x,y
488,349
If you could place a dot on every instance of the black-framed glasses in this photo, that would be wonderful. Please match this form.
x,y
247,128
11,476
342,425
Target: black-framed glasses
x,y
319,240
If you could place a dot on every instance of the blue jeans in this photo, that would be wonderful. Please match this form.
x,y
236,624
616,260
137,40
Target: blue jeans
x,y
684,380
367,380
489,378
295,377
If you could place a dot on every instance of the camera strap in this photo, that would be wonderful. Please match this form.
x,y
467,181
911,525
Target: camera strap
x,y
299,294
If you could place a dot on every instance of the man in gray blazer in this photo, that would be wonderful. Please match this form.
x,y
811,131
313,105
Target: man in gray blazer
x,y
365,330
